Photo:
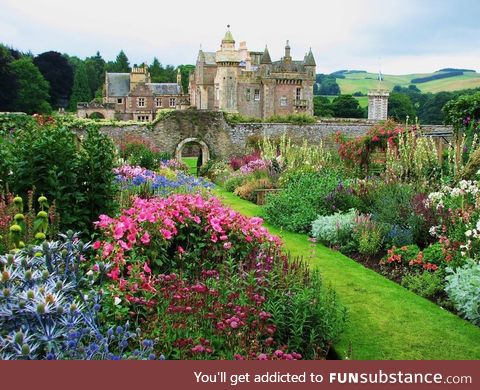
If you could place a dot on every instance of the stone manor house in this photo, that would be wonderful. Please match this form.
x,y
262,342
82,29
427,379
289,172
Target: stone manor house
x,y
132,96
250,83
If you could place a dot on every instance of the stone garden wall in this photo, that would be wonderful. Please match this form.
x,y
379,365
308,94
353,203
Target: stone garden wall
x,y
225,140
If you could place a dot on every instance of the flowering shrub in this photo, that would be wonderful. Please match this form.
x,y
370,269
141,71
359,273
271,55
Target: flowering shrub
x,y
237,162
334,229
174,165
256,165
141,151
410,256
44,314
357,152
143,182
459,219
217,307
368,235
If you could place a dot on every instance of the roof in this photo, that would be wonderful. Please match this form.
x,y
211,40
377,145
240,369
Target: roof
x,y
266,57
309,59
164,88
228,38
118,84
209,58
294,66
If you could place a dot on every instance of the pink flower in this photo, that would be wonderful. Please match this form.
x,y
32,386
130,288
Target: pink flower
x,y
107,250
145,239
97,245
262,356
227,245
147,269
180,250
234,324
167,234
96,268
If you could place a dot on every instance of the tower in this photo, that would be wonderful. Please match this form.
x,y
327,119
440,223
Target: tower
x,y
378,101
226,78
139,74
179,79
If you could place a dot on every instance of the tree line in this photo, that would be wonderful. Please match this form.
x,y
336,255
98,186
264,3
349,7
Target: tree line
x,y
51,80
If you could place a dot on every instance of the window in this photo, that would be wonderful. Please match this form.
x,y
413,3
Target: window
x,y
141,102
173,102
283,101
119,100
248,95
143,118
217,93
256,95
158,102
298,94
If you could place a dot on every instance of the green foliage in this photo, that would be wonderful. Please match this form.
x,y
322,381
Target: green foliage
x,y
59,74
301,200
322,107
346,106
334,229
185,71
121,64
77,176
326,85
458,110
305,312
463,288
426,284
368,236
434,254
400,107
95,69
8,81
32,94
233,182
95,177
81,89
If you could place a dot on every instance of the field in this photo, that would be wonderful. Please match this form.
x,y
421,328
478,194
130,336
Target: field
x,y
362,82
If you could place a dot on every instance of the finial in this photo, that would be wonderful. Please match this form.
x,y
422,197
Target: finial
x,y
228,26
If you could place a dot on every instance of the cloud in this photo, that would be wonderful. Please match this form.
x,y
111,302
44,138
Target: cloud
x,y
406,35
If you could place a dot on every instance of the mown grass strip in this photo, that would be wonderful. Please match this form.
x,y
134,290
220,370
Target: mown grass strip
x,y
386,321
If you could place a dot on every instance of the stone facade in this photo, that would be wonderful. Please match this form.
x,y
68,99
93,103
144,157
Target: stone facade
x,y
249,83
378,104
132,96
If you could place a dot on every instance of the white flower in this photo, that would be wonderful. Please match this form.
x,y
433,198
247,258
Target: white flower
x,y
468,233
433,231
85,297
117,301
478,225
90,273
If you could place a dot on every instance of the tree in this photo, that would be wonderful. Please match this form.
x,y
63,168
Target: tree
x,y
33,89
95,68
121,64
463,111
156,70
322,106
400,106
8,81
185,71
56,69
81,89
326,85
346,106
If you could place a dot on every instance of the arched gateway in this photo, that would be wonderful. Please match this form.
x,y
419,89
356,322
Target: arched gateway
x,y
203,146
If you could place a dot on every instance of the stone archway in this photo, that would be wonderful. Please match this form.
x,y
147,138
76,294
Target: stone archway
x,y
186,141
96,115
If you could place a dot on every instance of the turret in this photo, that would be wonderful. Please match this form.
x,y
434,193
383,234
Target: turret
x,y
288,57
265,63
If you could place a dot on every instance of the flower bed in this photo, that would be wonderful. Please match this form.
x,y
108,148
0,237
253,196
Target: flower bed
x,y
238,302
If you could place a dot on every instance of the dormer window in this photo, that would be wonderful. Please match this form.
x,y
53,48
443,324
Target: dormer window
x,y
140,102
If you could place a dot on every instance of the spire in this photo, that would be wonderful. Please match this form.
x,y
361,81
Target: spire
x,y
228,38
265,59
309,59
287,50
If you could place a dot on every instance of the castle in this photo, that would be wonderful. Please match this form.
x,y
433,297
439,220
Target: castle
x,y
250,83
132,96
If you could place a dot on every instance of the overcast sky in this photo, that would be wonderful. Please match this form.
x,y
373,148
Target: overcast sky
x,y
400,36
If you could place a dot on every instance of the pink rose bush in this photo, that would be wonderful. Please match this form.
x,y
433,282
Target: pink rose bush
x,y
209,283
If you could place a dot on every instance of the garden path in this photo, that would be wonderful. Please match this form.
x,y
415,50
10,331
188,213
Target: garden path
x,y
385,320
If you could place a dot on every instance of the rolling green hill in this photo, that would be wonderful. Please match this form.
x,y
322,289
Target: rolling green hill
x,y
362,82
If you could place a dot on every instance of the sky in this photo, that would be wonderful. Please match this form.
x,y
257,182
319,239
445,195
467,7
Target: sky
x,y
396,36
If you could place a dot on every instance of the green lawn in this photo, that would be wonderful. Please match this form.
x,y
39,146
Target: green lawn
x,y
385,320
192,164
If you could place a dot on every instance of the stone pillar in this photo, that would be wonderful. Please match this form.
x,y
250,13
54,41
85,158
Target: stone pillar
x,y
378,104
